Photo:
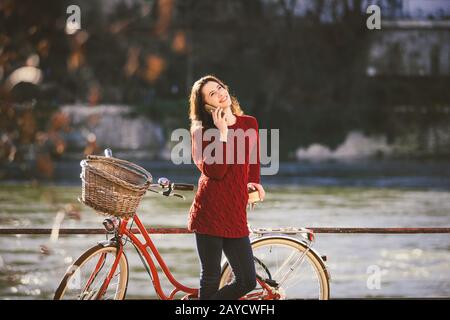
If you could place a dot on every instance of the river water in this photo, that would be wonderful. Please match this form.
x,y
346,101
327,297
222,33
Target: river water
x,y
337,194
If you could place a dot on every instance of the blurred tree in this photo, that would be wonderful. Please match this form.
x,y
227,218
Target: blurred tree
x,y
296,65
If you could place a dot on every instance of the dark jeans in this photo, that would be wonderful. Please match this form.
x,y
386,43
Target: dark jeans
x,y
240,256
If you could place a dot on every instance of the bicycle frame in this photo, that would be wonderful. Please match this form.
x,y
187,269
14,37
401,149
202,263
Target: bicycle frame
x,y
266,294
143,247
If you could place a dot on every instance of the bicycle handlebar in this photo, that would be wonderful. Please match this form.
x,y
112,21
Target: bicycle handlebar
x,y
183,186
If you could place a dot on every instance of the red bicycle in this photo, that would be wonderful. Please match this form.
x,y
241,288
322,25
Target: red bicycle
x,y
287,266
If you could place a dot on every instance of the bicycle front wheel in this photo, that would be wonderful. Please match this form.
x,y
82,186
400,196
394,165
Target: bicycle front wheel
x,y
289,267
85,277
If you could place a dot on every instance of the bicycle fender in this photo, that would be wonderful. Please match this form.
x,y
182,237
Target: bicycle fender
x,y
106,243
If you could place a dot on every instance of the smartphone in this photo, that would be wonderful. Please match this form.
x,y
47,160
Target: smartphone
x,y
209,108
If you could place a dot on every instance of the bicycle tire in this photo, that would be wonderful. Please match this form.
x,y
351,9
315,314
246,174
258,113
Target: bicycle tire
x,y
84,258
311,256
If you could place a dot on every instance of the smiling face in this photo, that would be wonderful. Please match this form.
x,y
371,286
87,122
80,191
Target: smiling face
x,y
210,90
216,95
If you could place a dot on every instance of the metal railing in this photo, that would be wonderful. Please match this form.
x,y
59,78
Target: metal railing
x,y
335,230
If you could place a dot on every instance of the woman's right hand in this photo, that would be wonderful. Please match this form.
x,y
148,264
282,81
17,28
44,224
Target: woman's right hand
x,y
219,121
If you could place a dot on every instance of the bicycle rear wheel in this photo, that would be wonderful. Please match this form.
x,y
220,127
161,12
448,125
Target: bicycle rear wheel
x,y
292,270
85,277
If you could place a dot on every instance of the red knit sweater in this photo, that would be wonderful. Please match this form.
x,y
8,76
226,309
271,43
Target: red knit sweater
x,y
219,206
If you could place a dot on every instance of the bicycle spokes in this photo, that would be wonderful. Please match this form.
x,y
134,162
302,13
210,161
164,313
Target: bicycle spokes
x,y
94,279
291,265
285,269
288,270
97,269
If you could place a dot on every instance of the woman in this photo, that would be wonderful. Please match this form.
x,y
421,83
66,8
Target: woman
x,y
218,214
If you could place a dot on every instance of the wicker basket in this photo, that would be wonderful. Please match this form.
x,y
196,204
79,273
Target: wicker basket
x,y
112,186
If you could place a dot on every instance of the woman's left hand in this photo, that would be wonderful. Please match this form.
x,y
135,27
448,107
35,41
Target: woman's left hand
x,y
254,186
